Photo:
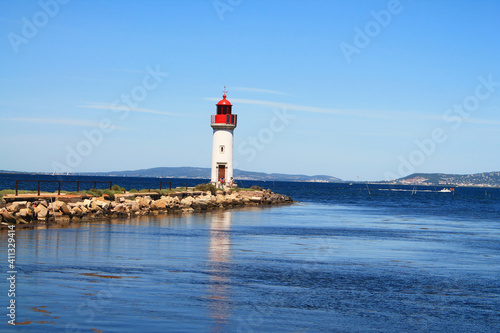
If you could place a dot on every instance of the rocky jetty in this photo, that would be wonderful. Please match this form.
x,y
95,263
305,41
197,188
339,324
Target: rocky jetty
x,y
71,208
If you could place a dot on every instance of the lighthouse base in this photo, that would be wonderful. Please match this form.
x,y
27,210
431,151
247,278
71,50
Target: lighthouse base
x,y
222,156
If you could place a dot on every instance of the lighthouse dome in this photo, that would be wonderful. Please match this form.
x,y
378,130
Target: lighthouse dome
x,y
224,101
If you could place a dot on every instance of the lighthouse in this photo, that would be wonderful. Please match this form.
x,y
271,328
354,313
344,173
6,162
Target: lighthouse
x,y
223,124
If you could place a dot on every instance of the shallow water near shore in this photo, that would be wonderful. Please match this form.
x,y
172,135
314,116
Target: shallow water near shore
x,y
342,260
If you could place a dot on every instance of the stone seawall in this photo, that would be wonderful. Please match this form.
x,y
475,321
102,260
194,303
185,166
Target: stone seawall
x,y
27,210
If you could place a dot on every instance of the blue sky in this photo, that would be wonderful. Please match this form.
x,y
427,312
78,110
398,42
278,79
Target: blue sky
x,y
360,90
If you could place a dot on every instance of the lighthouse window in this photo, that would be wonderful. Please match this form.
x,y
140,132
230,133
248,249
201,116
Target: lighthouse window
x,y
223,109
221,149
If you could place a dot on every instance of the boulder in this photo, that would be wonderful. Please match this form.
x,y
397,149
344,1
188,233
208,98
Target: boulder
x,y
76,211
233,198
63,207
38,208
7,217
187,201
41,212
170,201
102,204
25,212
203,201
23,204
135,206
144,202
119,208
15,207
159,204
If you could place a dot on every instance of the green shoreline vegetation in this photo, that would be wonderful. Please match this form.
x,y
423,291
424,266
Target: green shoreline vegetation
x,y
116,189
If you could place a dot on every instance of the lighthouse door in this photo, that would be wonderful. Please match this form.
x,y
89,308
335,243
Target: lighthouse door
x,y
222,172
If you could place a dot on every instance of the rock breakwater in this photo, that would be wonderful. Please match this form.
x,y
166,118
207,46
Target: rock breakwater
x,y
62,208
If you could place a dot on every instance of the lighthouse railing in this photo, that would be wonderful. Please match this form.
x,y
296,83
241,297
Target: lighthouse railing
x,y
224,119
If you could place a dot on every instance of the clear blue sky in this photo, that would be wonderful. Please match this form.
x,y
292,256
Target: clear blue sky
x,y
360,90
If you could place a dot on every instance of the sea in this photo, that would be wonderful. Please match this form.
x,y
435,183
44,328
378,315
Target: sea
x,y
343,258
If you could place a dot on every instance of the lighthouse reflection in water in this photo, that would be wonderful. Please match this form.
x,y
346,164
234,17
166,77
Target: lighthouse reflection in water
x,y
219,262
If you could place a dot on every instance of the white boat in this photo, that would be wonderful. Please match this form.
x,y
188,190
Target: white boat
x,y
445,190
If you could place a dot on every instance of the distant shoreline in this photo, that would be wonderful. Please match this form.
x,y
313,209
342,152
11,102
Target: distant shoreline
x,y
430,185
485,179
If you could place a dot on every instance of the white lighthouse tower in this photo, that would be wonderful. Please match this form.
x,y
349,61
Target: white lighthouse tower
x,y
223,123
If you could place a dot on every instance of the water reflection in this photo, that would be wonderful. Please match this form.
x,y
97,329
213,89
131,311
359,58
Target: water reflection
x,y
219,262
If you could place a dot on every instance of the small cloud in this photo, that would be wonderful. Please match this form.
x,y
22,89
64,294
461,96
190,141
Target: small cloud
x,y
67,122
373,114
304,108
381,134
116,107
481,121
257,90
124,70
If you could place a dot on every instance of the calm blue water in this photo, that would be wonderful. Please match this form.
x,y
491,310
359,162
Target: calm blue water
x,y
345,259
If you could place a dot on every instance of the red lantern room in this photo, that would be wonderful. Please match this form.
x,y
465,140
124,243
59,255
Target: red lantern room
x,y
224,115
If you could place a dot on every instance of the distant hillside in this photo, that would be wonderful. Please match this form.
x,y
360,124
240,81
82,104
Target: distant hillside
x,y
12,172
478,179
204,173
240,174
163,172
